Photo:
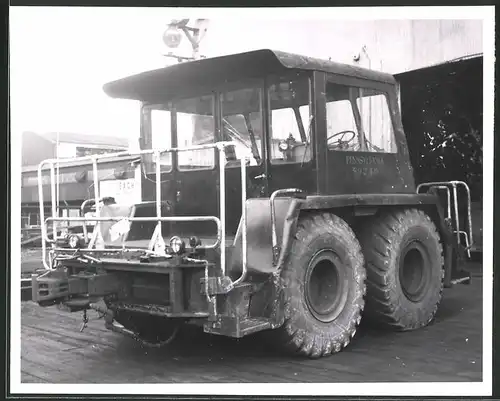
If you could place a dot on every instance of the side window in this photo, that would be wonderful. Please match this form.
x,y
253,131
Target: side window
x,y
156,134
291,121
358,120
376,120
195,126
161,136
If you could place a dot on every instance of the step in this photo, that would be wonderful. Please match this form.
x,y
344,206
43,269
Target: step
x,y
253,325
237,328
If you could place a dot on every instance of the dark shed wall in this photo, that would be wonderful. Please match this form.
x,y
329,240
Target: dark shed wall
x,y
442,111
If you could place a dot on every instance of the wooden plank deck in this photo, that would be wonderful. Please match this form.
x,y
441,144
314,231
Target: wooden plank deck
x,y
53,350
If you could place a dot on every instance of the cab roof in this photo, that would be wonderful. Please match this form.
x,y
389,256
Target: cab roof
x,y
168,81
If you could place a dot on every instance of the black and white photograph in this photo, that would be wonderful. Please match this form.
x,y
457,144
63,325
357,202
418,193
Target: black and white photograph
x,y
251,201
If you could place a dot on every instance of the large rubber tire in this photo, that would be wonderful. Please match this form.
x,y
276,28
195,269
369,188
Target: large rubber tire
x,y
404,264
324,287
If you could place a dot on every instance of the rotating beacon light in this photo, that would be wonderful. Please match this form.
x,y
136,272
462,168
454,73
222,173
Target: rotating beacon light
x,y
172,36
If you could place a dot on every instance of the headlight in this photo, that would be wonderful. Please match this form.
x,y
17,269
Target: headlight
x,y
194,242
177,245
74,241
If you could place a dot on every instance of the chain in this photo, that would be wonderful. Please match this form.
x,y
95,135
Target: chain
x,y
101,313
85,320
161,343
209,299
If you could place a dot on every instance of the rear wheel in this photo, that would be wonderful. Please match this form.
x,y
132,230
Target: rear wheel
x,y
404,263
324,286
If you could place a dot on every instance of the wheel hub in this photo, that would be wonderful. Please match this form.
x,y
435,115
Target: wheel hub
x,y
414,272
325,291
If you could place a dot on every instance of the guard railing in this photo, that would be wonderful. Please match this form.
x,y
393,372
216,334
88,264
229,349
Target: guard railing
x,y
95,159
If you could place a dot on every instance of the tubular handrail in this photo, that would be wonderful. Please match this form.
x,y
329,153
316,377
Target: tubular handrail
x,y
243,223
467,243
82,213
218,145
454,185
132,219
222,215
95,176
221,221
448,195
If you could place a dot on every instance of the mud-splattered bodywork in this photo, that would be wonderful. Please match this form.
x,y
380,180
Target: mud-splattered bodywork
x,y
237,291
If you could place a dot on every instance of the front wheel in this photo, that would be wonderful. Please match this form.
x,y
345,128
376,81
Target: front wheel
x,y
324,286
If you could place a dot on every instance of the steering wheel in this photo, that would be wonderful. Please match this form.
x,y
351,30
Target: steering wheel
x,y
342,134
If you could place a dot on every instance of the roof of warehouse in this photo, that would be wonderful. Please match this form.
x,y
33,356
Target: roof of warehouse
x,y
85,139
444,64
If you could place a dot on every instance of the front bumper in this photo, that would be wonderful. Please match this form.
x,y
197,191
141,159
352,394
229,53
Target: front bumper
x,y
172,288
177,288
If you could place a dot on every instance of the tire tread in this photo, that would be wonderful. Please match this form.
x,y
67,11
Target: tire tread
x,y
379,282
296,340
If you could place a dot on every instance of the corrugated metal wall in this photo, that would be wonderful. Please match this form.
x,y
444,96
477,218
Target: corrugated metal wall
x,y
392,46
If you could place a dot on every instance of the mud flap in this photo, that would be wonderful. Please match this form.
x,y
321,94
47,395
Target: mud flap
x,y
260,255
248,309
458,274
454,267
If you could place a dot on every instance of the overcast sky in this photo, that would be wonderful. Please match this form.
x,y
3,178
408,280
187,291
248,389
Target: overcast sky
x,y
61,57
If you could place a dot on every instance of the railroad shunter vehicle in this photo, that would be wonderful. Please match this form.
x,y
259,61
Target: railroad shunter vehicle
x,y
277,197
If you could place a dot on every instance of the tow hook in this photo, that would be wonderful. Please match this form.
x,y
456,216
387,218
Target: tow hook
x,y
85,320
102,311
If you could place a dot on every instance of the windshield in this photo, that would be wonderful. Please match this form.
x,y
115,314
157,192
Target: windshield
x,y
195,126
242,124
193,120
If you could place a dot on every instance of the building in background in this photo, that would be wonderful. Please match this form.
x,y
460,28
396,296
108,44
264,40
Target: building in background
x,y
75,181
392,45
40,146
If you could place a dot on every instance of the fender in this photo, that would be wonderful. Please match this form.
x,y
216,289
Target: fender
x,y
288,210
430,203
259,235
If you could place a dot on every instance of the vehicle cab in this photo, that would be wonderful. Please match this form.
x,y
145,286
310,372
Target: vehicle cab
x,y
322,127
